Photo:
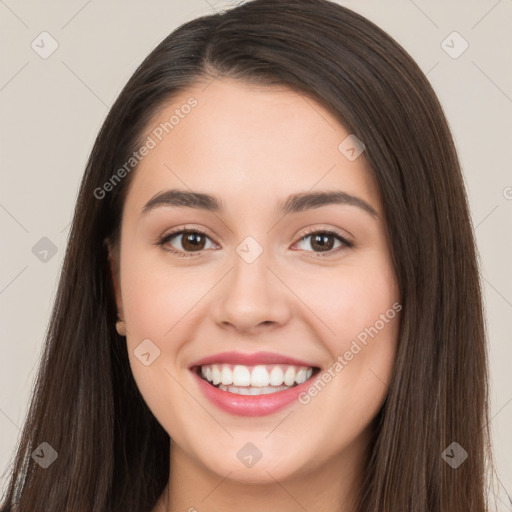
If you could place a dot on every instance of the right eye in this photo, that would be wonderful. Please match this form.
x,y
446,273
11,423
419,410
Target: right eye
x,y
193,240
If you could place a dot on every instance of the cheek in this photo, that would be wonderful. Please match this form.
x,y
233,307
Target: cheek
x,y
155,296
350,299
155,304
365,317
151,308
358,307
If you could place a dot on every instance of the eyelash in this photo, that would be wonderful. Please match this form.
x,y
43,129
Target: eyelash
x,y
165,239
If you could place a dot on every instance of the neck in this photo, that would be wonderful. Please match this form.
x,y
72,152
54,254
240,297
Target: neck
x,y
329,487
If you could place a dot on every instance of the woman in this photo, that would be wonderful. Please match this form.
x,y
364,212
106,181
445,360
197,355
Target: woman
x,y
270,264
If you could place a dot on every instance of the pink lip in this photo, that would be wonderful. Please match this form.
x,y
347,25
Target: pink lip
x,y
250,405
250,359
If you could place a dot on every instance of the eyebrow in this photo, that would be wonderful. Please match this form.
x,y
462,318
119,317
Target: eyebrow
x,y
295,203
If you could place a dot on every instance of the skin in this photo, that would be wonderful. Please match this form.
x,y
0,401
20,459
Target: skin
x,y
252,147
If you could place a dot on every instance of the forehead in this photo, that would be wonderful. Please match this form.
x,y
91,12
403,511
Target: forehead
x,y
247,144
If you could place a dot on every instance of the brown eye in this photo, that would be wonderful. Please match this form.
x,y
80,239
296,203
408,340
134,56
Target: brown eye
x,y
323,241
191,241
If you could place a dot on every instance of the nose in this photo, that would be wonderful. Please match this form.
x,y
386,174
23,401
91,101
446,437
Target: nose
x,y
252,297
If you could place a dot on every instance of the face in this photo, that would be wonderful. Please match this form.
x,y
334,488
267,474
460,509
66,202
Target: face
x,y
287,303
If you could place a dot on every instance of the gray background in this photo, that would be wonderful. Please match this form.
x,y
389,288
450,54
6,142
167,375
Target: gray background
x,y
52,109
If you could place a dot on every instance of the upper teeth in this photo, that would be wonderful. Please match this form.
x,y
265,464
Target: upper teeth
x,y
259,376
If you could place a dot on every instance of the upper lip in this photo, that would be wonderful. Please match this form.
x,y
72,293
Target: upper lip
x,y
250,359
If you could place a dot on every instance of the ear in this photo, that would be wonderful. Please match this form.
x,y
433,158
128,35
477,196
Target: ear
x,y
113,258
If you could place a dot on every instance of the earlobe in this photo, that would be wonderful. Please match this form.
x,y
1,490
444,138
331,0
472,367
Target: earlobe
x,y
120,328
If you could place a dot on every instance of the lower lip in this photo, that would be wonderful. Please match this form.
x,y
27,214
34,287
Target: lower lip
x,y
250,405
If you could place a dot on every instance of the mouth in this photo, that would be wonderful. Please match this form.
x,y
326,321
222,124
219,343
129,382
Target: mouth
x,y
252,384
262,379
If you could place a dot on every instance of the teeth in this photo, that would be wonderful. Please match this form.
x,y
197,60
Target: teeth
x,y
227,375
289,376
216,377
241,376
260,377
301,376
276,376
252,391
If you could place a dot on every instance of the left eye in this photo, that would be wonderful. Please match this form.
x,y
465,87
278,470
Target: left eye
x,y
324,240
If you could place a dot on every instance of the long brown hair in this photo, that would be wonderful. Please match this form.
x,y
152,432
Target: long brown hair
x,y
112,453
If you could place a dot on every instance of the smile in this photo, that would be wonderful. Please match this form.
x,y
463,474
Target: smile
x,y
254,380
255,384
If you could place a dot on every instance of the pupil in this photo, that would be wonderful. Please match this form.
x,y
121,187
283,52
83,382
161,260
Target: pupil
x,y
321,241
189,240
